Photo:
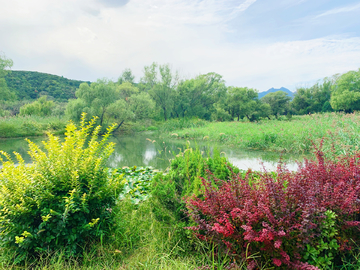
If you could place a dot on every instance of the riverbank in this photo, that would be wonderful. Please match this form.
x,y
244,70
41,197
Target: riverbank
x,y
27,126
341,133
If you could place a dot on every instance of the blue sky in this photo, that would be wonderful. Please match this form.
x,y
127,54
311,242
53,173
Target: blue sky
x,y
254,43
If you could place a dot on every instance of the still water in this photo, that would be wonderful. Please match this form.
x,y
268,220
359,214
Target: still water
x,y
151,150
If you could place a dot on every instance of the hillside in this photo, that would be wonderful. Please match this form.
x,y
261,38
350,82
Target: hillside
x,y
31,85
272,90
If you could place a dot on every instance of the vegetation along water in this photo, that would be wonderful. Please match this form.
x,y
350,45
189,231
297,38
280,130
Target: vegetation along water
x,y
77,201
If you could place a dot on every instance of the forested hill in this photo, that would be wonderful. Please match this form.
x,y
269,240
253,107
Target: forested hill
x,y
272,90
32,84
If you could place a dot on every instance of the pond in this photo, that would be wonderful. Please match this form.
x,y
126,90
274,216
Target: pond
x,y
143,149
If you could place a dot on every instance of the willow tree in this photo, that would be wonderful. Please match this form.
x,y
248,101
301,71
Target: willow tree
x,y
103,99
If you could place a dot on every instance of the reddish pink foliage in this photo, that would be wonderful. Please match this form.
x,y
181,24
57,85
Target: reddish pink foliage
x,y
278,216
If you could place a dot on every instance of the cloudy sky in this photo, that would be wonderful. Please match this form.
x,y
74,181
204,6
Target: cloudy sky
x,y
254,43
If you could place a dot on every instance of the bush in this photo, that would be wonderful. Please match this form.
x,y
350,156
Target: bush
x,y
7,129
184,179
181,123
291,220
62,200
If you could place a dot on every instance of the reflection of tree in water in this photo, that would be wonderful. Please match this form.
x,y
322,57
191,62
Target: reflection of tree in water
x,y
19,145
149,150
140,150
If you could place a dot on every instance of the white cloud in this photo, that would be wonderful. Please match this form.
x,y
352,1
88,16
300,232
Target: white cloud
x,y
83,39
339,10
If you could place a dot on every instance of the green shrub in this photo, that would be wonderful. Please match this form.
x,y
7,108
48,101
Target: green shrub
x,y
184,180
7,129
63,200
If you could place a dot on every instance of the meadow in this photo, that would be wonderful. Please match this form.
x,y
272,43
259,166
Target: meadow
x,y
341,133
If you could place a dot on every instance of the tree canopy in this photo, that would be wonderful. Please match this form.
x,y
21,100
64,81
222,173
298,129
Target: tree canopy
x,y
346,92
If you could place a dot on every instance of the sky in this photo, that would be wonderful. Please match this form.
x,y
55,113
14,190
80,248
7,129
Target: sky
x,y
253,43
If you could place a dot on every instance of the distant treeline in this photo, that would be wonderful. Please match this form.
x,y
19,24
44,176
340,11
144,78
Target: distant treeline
x,y
32,85
161,94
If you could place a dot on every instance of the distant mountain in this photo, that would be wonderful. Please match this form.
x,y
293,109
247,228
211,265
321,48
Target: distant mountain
x,y
31,85
272,90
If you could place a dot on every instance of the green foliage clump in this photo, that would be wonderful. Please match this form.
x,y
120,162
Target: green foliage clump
x,y
322,255
136,183
181,123
184,180
64,199
40,107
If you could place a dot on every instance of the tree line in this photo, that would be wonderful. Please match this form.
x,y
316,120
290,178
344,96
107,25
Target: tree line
x,y
161,94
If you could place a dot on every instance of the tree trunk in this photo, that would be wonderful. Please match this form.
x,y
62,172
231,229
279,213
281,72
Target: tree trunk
x,y
119,125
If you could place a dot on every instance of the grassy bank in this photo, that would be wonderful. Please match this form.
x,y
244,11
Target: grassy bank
x,y
26,126
340,131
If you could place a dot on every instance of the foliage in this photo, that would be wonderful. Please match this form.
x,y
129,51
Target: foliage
x,y
126,76
346,93
5,93
340,131
136,183
23,126
101,99
182,123
161,90
40,107
63,200
287,218
183,180
241,102
314,99
278,101
142,105
31,85
196,97
323,253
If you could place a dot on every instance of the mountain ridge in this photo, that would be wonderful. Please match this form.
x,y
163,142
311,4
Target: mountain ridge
x,y
273,90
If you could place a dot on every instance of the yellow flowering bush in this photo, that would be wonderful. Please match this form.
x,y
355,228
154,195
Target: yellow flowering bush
x,y
64,199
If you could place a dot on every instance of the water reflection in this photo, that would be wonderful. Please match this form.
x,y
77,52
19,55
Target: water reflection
x,y
150,150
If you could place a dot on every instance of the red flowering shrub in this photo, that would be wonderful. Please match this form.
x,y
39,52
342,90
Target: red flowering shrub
x,y
290,219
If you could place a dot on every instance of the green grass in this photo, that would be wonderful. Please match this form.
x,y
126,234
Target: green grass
x,y
340,131
139,241
26,126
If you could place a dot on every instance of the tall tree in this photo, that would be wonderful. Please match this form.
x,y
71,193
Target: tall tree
x,y
161,82
126,76
278,101
242,101
5,93
346,92
196,97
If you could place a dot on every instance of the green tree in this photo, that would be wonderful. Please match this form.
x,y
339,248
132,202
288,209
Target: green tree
x,y
242,102
126,76
346,92
102,99
142,105
5,93
127,89
313,99
278,101
149,80
5,64
161,86
197,96
40,107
